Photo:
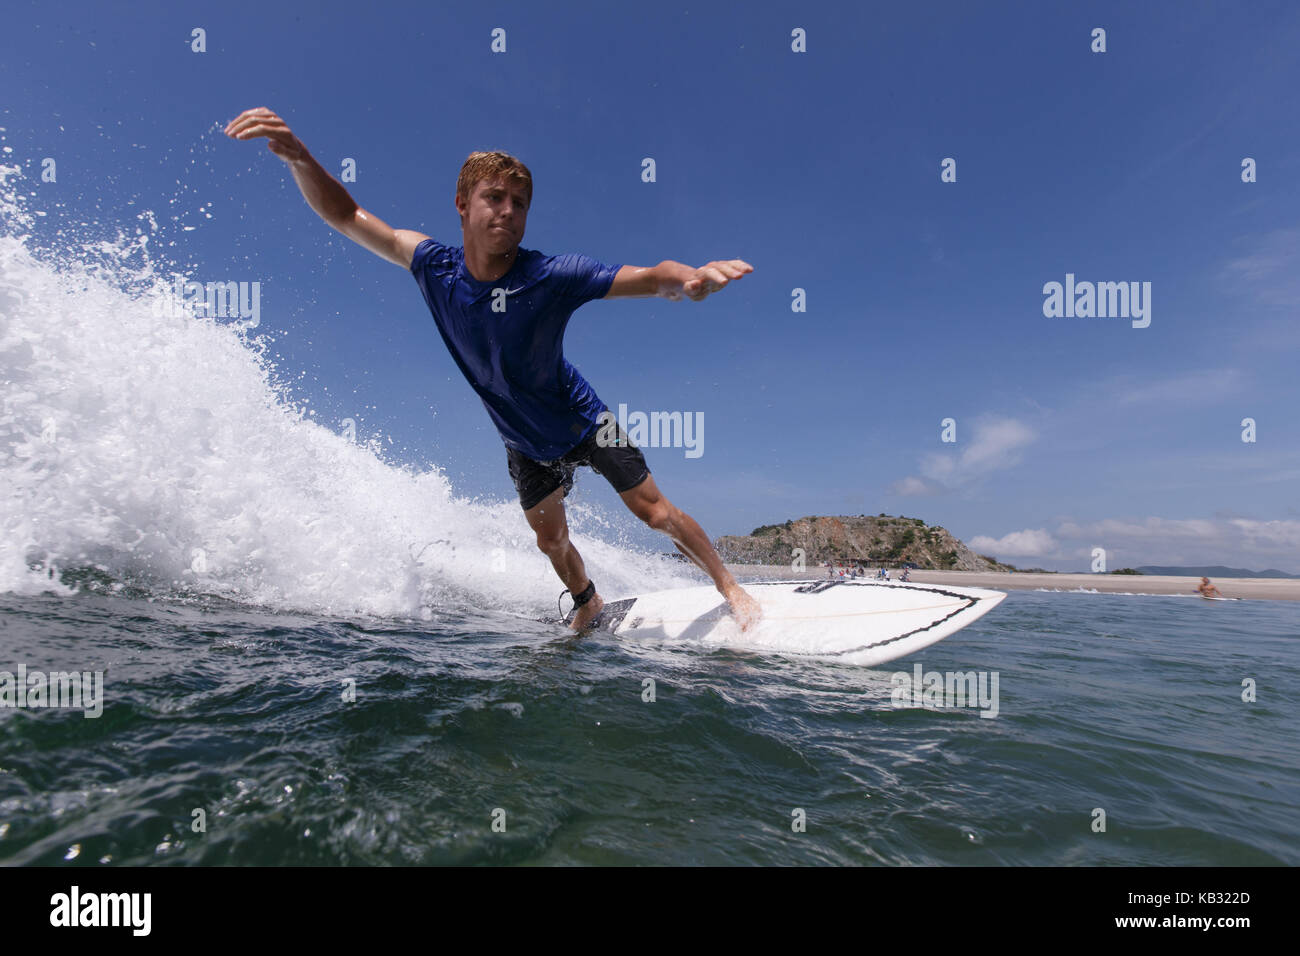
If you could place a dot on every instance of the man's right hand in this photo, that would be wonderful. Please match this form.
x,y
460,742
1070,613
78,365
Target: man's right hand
x,y
262,122
323,192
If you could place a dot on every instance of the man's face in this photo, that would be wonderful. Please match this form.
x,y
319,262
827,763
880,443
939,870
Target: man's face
x,y
496,214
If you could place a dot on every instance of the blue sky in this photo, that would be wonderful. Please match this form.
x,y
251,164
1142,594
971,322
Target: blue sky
x,y
821,169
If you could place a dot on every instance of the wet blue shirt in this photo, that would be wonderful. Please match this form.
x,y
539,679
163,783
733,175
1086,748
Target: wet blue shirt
x,y
513,358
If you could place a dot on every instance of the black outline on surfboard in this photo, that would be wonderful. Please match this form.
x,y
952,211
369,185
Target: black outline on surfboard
x,y
971,602
611,616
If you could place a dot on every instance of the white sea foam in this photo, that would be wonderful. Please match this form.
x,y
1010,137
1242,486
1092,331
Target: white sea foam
x,y
159,448
1120,593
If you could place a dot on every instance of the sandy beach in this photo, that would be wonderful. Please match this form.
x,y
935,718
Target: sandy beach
x,y
1265,589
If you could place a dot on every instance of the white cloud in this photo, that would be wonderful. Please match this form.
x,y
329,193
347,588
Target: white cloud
x,y
1270,272
994,445
1269,535
1130,542
912,487
1236,542
1032,542
1148,529
1192,388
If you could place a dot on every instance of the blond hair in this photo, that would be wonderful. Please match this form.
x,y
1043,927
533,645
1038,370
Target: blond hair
x,y
492,165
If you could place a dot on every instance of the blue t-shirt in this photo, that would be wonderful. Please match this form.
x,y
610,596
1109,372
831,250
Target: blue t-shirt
x,y
513,359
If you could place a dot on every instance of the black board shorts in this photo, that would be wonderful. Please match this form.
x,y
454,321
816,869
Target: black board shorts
x,y
622,465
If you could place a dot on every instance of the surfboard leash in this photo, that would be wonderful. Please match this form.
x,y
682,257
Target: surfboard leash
x,y
579,599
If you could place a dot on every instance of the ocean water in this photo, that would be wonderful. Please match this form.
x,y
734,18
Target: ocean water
x,y
1128,704
310,655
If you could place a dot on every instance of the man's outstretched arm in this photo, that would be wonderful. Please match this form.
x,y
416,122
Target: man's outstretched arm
x,y
673,280
323,192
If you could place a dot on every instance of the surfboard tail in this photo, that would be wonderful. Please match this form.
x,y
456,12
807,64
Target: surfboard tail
x,y
610,616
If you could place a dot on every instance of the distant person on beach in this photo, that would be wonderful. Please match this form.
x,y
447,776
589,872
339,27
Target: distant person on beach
x,y
1207,589
907,575
550,419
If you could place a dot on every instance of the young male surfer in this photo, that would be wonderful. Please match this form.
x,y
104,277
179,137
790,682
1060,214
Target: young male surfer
x,y
502,311
1207,589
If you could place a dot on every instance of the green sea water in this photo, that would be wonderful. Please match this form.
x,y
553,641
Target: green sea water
x,y
234,734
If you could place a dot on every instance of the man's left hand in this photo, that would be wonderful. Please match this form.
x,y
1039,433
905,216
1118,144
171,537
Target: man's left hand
x,y
712,277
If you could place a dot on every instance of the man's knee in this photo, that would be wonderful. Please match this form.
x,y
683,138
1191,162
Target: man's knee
x,y
659,515
552,541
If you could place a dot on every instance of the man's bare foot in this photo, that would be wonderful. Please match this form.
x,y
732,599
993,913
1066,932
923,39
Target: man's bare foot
x,y
744,608
586,613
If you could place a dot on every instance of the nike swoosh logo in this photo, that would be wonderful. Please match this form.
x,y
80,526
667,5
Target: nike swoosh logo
x,y
513,291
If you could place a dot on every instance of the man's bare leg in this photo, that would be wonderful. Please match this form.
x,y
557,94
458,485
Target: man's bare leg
x,y
552,529
646,502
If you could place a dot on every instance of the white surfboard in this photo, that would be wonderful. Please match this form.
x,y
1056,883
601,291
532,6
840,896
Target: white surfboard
x,y
853,621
